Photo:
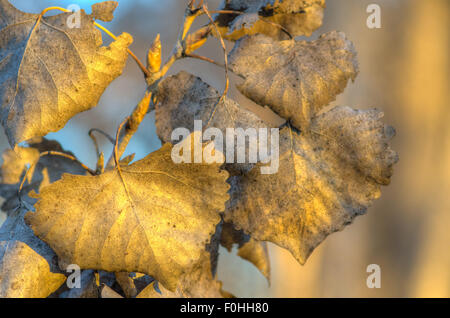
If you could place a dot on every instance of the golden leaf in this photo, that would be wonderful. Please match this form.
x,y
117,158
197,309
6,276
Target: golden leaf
x,y
155,217
296,79
51,70
327,176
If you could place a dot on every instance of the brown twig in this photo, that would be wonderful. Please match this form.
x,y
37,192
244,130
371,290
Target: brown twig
x,y
227,79
222,43
134,121
136,118
94,140
204,58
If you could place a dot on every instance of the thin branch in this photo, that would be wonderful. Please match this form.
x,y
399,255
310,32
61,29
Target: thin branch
x,y
227,85
134,121
226,12
222,42
94,140
204,58
100,155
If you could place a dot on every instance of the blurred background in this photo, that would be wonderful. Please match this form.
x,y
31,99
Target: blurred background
x,y
404,72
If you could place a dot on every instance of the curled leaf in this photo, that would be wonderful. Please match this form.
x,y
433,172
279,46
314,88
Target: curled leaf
x,y
51,69
294,78
275,18
327,176
154,217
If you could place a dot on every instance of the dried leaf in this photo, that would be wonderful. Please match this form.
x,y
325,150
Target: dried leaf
x,y
28,266
249,249
184,98
327,176
51,71
294,78
270,17
158,224
104,10
48,169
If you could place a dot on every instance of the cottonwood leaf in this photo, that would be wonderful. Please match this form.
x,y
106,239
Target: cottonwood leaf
x,y
199,282
51,70
294,78
158,224
46,169
249,249
327,177
270,17
184,98
28,266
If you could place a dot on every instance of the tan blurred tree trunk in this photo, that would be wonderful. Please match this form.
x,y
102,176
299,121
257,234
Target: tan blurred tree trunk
x,y
425,92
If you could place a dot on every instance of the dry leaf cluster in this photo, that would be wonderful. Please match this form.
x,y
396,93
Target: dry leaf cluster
x,y
153,228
